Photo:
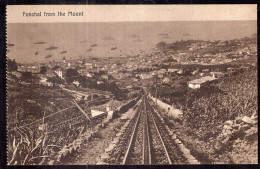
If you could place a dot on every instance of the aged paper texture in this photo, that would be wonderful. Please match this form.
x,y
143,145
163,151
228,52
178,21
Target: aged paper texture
x,y
132,84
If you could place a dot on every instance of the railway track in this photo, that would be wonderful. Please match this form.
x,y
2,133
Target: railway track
x,y
146,141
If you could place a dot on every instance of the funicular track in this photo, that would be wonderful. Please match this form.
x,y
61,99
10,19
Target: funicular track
x,y
146,141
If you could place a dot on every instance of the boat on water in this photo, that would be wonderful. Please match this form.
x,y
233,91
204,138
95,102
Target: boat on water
x,y
48,56
113,48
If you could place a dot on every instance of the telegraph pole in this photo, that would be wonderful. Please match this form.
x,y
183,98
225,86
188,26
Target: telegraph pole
x,y
111,104
156,77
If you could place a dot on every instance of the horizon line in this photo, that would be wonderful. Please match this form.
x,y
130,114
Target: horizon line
x,y
133,21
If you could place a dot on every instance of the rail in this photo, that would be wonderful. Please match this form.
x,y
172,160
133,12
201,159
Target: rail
x,y
160,136
145,112
127,155
146,141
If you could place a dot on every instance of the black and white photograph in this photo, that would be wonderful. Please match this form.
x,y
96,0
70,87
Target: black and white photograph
x,y
131,84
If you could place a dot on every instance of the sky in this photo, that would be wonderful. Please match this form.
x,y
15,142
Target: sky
x,y
132,13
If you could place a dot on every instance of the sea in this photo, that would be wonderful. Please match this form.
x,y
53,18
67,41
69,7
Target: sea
x,y
47,42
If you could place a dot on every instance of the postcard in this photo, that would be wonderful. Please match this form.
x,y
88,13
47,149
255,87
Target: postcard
x,y
132,84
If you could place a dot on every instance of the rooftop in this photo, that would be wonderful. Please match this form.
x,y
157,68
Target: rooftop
x,y
202,80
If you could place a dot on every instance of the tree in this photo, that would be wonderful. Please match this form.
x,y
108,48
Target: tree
x,y
55,80
83,80
43,70
71,74
12,65
27,76
161,44
55,67
102,72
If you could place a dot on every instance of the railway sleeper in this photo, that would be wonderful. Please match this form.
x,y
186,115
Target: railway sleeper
x,y
161,159
100,162
159,153
136,158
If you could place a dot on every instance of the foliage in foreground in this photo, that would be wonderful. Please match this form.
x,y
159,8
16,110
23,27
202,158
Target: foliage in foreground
x,y
226,99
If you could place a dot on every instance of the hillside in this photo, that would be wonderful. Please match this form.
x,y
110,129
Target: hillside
x,y
216,107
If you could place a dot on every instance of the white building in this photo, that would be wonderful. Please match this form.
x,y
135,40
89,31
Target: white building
x,y
59,73
76,83
180,71
166,80
173,70
88,64
100,82
197,83
89,75
95,113
216,74
43,81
